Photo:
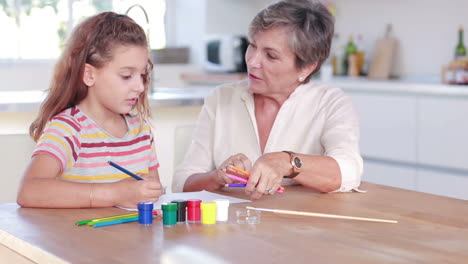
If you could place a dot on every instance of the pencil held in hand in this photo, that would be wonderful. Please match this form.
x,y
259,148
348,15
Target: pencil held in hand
x,y
238,175
246,173
124,170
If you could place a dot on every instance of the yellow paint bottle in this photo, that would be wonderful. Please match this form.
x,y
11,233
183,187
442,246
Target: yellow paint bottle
x,y
208,211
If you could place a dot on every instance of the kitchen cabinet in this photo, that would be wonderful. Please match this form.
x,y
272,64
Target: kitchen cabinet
x,y
413,137
453,185
388,127
443,132
391,175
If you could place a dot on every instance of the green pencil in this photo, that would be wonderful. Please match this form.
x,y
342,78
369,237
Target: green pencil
x,y
111,219
84,222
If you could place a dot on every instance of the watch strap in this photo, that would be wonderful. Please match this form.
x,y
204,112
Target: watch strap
x,y
291,161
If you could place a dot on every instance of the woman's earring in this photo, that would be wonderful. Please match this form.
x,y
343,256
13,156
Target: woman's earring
x,y
301,79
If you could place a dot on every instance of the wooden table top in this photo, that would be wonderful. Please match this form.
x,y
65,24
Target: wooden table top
x,y
430,229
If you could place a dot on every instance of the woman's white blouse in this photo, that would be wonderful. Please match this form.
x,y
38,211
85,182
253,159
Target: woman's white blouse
x,y
316,119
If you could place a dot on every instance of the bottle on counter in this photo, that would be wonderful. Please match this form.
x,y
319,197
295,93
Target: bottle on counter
x,y
349,49
361,55
460,50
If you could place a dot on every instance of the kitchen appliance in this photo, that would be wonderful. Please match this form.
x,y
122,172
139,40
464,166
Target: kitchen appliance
x,y
225,53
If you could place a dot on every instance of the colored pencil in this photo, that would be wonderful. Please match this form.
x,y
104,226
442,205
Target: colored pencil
x,y
116,221
238,173
235,185
235,173
322,215
84,222
124,170
237,178
117,218
112,219
240,170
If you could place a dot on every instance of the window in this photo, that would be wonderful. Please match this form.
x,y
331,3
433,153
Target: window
x,y
37,29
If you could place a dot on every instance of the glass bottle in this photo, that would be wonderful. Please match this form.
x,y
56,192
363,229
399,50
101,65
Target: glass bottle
x,y
349,49
460,50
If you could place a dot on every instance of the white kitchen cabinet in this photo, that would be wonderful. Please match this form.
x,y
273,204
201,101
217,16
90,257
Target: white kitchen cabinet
x,y
388,125
395,176
443,132
453,185
416,140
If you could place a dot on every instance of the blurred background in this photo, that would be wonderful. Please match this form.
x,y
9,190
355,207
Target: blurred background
x,y
403,63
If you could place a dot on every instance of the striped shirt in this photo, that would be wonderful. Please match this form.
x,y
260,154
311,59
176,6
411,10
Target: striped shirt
x,y
83,149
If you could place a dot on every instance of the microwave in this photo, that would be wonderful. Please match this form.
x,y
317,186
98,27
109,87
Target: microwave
x,y
225,53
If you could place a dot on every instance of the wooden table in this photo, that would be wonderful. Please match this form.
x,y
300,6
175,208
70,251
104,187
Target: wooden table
x,y
431,229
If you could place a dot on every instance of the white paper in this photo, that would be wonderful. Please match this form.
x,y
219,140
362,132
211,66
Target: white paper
x,y
205,196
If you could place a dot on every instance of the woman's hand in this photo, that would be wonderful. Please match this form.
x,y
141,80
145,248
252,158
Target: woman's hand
x,y
131,191
267,174
238,160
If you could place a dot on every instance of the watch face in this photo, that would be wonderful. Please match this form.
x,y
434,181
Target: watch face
x,y
297,162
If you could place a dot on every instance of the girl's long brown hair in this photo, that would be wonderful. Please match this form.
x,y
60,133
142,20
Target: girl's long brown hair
x,y
92,42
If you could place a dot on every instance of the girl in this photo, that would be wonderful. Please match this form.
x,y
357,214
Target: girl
x,y
95,111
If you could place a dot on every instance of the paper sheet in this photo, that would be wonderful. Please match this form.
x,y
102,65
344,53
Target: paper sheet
x,y
205,196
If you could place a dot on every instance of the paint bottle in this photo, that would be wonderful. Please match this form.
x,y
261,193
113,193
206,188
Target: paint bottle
x,y
222,209
193,210
145,213
208,211
181,210
169,214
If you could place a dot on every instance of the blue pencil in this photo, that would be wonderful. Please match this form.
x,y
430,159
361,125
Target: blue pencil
x,y
124,170
116,221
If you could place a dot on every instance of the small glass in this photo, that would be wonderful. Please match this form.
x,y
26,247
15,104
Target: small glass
x,y
251,217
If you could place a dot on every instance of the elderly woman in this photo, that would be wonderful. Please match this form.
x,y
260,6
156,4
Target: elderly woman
x,y
279,125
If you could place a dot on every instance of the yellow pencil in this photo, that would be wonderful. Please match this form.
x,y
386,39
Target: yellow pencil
x,y
84,222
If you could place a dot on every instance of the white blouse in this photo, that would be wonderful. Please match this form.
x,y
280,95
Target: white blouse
x,y
316,119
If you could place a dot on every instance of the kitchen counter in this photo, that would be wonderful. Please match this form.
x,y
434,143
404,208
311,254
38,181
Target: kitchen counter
x,y
403,87
29,101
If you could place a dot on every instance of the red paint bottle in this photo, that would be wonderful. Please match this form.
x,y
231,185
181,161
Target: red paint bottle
x,y
193,210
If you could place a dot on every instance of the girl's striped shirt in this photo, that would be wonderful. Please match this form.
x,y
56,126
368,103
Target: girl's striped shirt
x,y
83,149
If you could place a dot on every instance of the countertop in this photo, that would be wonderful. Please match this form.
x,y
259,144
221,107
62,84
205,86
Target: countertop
x,y
29,101
425,87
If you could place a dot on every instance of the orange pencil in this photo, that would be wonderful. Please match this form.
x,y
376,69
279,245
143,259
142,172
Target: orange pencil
x,y
240,170
235,173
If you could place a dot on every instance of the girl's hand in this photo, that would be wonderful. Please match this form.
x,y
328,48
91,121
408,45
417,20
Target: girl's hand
x,y
267,174
131,191
239,160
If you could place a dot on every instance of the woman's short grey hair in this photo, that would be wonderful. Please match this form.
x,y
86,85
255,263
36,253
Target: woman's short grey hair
x,y
310,26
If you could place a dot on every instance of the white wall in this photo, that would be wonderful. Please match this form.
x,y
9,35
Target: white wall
x,y
229,16
25,75
426,29
185,24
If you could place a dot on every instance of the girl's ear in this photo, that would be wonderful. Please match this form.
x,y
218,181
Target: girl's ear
x,y
89,75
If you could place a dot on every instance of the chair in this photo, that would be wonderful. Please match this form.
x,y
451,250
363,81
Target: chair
x,y
182,140
15,153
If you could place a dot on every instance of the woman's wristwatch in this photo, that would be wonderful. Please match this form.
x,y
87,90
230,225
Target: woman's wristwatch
x,y
296,164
